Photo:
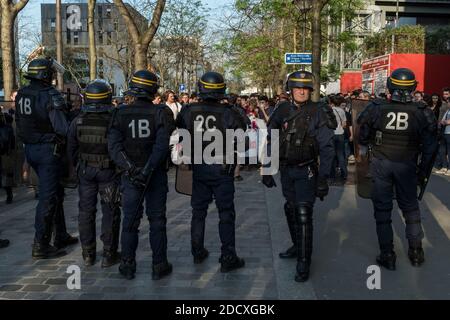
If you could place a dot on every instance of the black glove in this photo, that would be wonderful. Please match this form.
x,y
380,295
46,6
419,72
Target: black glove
x,y
421,178
138,178
322,188
268,181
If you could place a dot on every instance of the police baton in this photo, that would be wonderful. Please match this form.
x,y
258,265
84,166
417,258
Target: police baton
x,y
140,202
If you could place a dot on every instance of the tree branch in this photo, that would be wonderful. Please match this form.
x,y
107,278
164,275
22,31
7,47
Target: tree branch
x,y
19,6
131,25
151,31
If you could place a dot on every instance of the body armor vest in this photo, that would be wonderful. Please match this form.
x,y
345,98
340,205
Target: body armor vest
x,y
297,147
396,137
92,128
138,121
32,116
206,119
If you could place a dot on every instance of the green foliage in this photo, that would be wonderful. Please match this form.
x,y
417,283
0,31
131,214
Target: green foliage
x,y
264,32
409,39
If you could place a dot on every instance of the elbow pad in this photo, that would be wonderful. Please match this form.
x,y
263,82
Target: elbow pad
x,y
57,101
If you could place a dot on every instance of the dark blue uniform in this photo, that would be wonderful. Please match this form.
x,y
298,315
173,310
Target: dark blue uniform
x,y
42,126
212,179
397,133
139,137
88,149
298,179
307,131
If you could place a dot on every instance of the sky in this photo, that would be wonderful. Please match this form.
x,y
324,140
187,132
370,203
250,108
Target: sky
x,y
33,11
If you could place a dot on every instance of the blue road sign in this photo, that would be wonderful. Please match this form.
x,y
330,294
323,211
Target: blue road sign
x,y
298,58
182,87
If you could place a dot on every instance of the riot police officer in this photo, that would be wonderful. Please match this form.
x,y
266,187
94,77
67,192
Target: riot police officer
x,y
212,179
307,130
88,149
398,131
42,126
138,142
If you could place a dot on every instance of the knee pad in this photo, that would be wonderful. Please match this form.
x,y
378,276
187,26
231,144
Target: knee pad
x,y
227,217
158,221
199,214
304,213
289,207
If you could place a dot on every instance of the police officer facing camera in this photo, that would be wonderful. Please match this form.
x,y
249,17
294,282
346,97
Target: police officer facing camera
x,y
139,145
398,131
212,179
88,150
307,130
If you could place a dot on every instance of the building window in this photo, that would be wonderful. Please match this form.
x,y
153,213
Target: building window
x,y
75,37
100,38
68,36
52,24
116,25
100,11
108,12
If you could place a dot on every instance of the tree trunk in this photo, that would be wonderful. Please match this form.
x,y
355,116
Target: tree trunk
x,y
92,48
7,53
140,58
9,13
316,47
141,42
59,48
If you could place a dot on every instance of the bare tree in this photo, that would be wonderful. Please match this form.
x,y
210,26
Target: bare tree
x,y
9,12
92,48
141,39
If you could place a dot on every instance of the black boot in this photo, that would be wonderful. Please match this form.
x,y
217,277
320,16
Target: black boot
x,y
161,270
416,256
127,268
9,195
42,248
290,253
110,258
4,243
89,256
289,210
65,242
230,263
46,251
200,255
302,274
387,260
304,228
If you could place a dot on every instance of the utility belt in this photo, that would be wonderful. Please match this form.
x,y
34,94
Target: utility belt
x,y
227,169
300,165
103,164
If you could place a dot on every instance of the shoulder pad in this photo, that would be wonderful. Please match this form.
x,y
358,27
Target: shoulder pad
x,y
377,101
430,118
420,105
57,100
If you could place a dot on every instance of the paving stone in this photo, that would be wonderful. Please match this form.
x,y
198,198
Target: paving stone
x,y
35,288
10,287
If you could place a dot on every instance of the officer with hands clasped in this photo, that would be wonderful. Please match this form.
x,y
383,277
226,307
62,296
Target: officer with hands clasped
x,y
307,130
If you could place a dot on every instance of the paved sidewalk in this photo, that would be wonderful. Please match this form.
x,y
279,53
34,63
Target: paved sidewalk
x,y
344,246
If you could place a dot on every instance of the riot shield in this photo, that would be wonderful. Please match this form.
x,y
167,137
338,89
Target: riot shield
x,y
363,177
183,180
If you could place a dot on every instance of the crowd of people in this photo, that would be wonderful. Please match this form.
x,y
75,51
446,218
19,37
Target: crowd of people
x,y
257,108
